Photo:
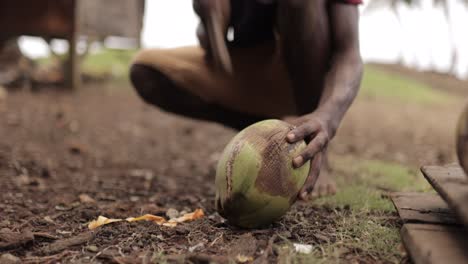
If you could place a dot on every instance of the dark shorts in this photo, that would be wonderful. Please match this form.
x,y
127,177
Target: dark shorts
x,y
254,21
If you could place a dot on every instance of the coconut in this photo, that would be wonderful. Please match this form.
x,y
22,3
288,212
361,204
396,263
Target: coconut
x,y
256,182
462,139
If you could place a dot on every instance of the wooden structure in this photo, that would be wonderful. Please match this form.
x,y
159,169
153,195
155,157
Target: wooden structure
x,y
435,228
70,19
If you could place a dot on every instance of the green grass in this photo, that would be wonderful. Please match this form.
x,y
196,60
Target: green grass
x,y
377,83
363,184
106,62
364,187
367,235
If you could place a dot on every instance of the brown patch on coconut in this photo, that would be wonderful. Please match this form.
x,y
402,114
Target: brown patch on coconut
x,y
273,177
230,163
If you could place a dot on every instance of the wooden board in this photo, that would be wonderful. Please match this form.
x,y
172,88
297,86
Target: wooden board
x,y
428,244
423,208
452,184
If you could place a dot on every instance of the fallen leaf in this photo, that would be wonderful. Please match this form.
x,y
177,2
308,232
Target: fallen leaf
x,y
170,224
188,217
102,221
84,198
148,217
243,259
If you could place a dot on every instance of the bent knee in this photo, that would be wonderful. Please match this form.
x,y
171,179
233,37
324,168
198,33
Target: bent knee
x,y
150,84
158,89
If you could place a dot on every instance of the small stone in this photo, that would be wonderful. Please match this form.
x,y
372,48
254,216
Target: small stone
x,y
303,248
134,198
9,259
92,248
172,213
49,220
197,246
84,198
62,207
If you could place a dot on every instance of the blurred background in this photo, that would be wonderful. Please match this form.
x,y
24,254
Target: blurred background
x,y
102,140
423,34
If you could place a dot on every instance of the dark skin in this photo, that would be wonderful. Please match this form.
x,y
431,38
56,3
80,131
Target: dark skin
x,y
320,43
296,60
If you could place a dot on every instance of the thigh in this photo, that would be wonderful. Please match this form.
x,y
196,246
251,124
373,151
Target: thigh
x,y
160,90
259,85
305,38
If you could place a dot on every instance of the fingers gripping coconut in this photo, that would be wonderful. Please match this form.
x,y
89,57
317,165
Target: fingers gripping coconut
x,y
256,181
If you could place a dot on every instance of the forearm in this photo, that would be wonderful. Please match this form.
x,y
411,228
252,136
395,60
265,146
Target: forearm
x,y
341,87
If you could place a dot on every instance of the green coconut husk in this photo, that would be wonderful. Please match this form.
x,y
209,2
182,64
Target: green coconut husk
x,y
256,182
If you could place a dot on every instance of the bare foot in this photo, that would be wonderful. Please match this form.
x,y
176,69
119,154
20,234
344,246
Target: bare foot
x,y
325,185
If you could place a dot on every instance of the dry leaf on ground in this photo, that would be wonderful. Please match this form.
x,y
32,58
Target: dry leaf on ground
x,y
102,221
197,214
148,217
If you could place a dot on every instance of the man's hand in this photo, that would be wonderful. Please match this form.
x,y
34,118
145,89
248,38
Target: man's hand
x,y
316,131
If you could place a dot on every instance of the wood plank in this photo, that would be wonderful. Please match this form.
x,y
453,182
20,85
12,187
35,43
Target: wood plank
x,y
423,208
428,244
452,184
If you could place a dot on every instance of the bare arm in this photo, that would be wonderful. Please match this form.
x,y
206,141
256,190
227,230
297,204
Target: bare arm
x,y
341,85
344,78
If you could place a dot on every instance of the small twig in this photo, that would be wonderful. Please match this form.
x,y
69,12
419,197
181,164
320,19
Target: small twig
x,y
216,239
63,244
45,235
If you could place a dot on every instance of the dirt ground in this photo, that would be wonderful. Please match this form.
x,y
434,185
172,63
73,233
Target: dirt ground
x,y
132,159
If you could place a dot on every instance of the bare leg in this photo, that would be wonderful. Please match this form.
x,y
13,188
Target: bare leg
x,y
325,184
159,90
304,31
